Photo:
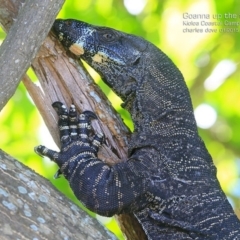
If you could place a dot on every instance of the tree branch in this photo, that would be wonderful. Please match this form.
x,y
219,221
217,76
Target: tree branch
x,y
31,208
22,43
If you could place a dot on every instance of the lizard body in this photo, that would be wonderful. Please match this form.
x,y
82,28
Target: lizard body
x,y
169,181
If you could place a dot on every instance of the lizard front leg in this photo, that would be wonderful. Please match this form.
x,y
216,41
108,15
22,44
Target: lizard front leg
x,y
103,189
74,137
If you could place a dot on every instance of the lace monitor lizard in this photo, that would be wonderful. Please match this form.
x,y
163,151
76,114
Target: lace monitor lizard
x,y
169,181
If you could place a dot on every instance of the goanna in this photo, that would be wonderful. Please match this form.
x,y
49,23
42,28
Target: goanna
x,y
169,180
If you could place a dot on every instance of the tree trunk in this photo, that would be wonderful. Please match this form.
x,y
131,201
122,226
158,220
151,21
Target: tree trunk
x,y
63,79
31,208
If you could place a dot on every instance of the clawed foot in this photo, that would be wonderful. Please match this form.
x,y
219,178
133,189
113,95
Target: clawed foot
x,y
77,140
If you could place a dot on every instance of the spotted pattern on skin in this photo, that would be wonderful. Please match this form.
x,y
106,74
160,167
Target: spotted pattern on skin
x,y
169,180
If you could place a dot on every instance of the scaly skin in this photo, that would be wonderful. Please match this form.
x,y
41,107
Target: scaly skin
x,y
169,181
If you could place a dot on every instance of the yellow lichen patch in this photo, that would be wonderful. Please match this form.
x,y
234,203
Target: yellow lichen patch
x,y
77,49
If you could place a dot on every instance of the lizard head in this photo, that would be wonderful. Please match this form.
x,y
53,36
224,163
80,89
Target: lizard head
x,y
116,56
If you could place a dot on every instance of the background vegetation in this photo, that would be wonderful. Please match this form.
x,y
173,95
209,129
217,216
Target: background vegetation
x,y
209,62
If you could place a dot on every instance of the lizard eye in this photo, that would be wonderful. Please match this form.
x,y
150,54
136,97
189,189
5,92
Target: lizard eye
x,y
108,36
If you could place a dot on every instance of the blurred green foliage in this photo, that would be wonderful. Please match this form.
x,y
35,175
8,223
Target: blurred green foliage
x,y
196,54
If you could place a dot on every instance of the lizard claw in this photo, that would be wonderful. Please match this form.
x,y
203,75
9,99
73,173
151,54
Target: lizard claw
x,y
57,174
90,115
43,151
97,141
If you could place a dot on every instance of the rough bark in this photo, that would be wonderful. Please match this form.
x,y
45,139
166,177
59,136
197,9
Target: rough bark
x,y
22,43
62,78
31,208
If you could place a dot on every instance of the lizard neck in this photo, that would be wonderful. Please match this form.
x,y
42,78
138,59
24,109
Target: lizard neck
x,y
161,103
